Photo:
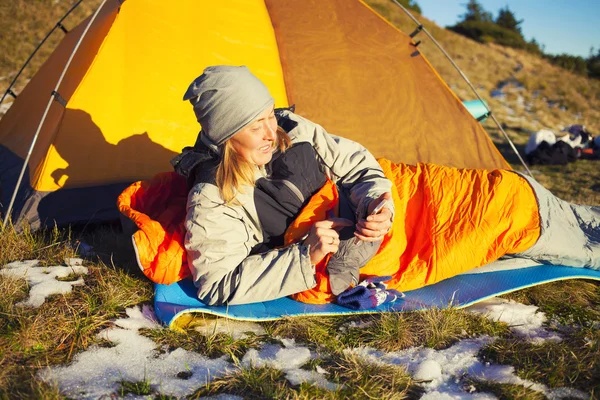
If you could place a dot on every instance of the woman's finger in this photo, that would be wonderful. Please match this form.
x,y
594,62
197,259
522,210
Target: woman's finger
x,y
370,232
333,223
324,232
372,226
329,240
368,238
384,215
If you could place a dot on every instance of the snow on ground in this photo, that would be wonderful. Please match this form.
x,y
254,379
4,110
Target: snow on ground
x,y
98,371
442,372
524,320
236,329
42,280
289,359
132,357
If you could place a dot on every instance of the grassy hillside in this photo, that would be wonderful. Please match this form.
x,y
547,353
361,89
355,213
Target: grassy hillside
x,y
552,97
24,24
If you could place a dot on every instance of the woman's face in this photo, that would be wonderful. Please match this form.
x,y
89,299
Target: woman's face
x,y
255,143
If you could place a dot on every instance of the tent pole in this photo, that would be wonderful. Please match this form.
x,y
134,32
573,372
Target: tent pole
x,y
421,27
54,96
58,25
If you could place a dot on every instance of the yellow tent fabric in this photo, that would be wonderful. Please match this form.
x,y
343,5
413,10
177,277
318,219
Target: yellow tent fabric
x,y
340,63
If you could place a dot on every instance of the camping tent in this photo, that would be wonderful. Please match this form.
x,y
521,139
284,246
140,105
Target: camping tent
x,y
117,114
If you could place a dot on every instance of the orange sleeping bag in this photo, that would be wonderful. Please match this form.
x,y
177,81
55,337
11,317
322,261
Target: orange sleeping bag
x,y
446,221
158,207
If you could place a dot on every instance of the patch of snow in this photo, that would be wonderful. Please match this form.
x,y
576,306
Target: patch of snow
x,y
444,370
355,324
138,319
98,371
236,329
298,376
274,356
42,280
508,110
223,397
524,320
498,94
520,101
288,359
453,364
428,370
515,119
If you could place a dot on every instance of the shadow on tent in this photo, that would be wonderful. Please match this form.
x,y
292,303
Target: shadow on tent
x,y
96,173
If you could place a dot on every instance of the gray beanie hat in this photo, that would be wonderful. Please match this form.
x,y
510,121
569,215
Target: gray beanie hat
x,y
226,99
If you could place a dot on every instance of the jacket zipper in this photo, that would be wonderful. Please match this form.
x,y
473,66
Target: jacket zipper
x,y
294,190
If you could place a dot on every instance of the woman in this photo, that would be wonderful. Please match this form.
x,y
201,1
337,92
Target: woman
x,y
251,171
254,169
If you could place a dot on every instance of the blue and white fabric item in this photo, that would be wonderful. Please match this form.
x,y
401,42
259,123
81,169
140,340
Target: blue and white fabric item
x,y
369,293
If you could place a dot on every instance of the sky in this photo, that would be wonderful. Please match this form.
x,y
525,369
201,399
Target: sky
x,y
571,27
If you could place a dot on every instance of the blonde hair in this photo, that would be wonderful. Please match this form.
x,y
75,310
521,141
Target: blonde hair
x,y
234,171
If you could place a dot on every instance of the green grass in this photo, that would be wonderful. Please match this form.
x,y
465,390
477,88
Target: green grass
x,y
141,388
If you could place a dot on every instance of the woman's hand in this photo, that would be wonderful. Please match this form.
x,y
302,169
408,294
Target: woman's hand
x,y
323,238
374,227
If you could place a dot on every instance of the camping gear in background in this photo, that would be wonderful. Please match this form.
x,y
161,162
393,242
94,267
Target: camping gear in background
x,y
116,115
545,148
478,108
176,305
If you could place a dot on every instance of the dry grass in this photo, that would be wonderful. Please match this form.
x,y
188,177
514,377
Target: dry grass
x,y
505,391
575,362
358,379
252,383
32,338
25,23
208,344
50,246
434,328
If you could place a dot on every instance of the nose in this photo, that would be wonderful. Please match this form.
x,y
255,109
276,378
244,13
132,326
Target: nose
x,y
269,131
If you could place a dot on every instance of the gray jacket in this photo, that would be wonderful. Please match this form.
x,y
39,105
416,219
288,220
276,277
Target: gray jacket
x,y
220,237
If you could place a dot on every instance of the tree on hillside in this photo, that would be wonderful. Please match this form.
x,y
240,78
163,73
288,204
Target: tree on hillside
x,y
575,64
593,64
475,12
507,19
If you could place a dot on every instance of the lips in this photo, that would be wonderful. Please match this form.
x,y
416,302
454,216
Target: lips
x,y
266,148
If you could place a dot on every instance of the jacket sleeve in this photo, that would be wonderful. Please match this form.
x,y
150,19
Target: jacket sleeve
x,y
218,243
350,165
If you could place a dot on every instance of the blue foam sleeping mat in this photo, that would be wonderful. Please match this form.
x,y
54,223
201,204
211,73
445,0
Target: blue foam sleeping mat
x,y
172,302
